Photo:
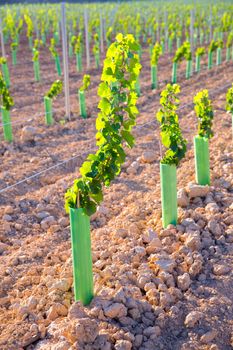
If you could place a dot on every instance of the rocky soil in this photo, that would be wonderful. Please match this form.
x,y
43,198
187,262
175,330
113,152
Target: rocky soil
x,y
168,289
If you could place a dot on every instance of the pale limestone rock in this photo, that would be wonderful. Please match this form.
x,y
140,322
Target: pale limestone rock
x,y
9,210
184,281
209,336
214,228
149,331
115,310
193,241
220,269
192,318
85,330
47,222
28,133
197,190
123,345
182,198
148,157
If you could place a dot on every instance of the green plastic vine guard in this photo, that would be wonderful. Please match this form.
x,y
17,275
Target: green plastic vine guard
x,y
232,123
154,80
137,87
70,50
174,72
219,56
81,253
43,38
6,74
36,66
210,60
79,62
188,69
30,41
58,65
163,47
150,49
14,57
7,127
202,163
198,64
178,43
228,54
56,37
201,38
48,110
97,60
170,42
82,104
168,194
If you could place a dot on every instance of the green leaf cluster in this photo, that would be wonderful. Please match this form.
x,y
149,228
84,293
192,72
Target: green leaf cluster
x,y
182,52
35,51
215,44
6,100
96,46
14,45
3,60
30,26
52,48
156,53
200,51
115,120
171,135
76,42
35,55
55,89
86,82
205,114
229,100
229,39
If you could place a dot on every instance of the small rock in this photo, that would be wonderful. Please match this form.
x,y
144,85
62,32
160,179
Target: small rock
x,y
229,220
221,269
3,247
47,222
212,208
64,221
28,133
148,332
153,246
133,168
56,310
115,310
166,265
184,281
148,157
138,340
77,311
63,285
84,330
148,236
192,318
32,303
123,345
193,241
7,218
197,190
9,210
214,228
209,336
42,215
182,198
64,345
